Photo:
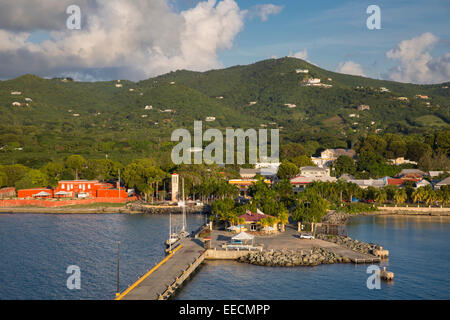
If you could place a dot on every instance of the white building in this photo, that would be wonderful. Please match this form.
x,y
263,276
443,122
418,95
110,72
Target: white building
x,y
302,70
210,119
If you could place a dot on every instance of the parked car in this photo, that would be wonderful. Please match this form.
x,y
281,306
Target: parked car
x,y
306,236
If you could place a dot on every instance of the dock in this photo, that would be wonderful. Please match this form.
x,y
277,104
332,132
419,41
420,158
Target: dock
x,y
160,282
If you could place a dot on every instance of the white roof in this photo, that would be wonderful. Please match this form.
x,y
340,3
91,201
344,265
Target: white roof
x,y
62,193
243,236
42,194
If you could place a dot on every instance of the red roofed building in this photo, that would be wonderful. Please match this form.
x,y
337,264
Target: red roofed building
x,y
252,219
395,182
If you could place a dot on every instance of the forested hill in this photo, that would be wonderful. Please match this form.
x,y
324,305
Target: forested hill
x,y
59,117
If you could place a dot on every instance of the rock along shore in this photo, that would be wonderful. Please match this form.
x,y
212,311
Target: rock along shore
x,y
355,245
292,258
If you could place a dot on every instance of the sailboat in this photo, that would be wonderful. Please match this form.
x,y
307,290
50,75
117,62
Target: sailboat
x,y
174,237
183,232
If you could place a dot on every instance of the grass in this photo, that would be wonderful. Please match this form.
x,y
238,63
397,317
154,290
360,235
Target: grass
x,y
98,205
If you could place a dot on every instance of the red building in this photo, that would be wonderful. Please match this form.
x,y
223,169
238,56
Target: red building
x,y
77,189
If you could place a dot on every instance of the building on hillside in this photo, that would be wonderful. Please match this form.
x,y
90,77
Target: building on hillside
x,y
411,174
363,107
16,104
419,96
210,119
16,93
299,183
329,155
401,160
302,70
314,172
434,174
442,183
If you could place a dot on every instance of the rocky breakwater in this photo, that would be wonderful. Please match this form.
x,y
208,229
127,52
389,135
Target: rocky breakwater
x,y
165,209
336,217
355,245
291,258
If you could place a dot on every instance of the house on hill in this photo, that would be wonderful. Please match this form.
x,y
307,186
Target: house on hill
x,y
411,174
329,155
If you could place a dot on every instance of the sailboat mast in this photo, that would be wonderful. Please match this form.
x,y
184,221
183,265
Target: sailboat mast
x,y
184,208
170,231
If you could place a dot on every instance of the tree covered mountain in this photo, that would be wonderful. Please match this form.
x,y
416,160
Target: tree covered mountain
x,y
60,117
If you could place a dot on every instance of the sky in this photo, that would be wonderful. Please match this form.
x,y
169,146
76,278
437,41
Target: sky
x,y
138,39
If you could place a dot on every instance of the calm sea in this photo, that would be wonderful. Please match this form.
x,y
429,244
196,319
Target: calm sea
x,y
36,250
419,256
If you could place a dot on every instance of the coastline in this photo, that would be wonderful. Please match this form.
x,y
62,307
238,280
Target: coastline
x,y
65,210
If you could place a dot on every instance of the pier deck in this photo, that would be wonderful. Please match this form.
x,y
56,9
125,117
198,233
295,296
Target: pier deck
x,y
155,284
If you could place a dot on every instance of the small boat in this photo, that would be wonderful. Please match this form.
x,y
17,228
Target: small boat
x,y
173,239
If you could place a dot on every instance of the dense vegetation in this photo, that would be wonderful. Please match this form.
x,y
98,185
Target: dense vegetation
x,y
101,121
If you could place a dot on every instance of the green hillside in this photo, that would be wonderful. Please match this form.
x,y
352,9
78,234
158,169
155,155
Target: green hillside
x,y
99,119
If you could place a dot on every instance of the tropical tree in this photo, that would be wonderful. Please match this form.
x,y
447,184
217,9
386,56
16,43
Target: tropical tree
x,y
75,163
287,170
400,196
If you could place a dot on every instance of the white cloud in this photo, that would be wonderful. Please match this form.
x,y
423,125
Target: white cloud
x,y
119,38
263,11
301,54
350,67
415,62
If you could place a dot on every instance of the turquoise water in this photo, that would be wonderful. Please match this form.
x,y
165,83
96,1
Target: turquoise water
x,y
419,257
36,250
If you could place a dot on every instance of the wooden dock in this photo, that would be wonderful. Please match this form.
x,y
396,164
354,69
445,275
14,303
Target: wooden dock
x,y
160,282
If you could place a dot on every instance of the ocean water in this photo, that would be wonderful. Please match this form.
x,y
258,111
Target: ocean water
x,y
419,257
36,250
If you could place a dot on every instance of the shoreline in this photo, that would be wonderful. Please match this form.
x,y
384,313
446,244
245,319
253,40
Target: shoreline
x,y
67,210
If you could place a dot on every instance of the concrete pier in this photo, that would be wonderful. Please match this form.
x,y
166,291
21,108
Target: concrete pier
x,y
169,273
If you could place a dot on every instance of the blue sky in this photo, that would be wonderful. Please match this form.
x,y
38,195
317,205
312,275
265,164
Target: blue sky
x,y
142,38
335,31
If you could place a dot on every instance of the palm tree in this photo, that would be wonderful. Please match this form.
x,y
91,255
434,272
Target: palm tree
x,y
418,195
380,196
400,196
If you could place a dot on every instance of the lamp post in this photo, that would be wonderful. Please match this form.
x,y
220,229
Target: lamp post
x,y
118,268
